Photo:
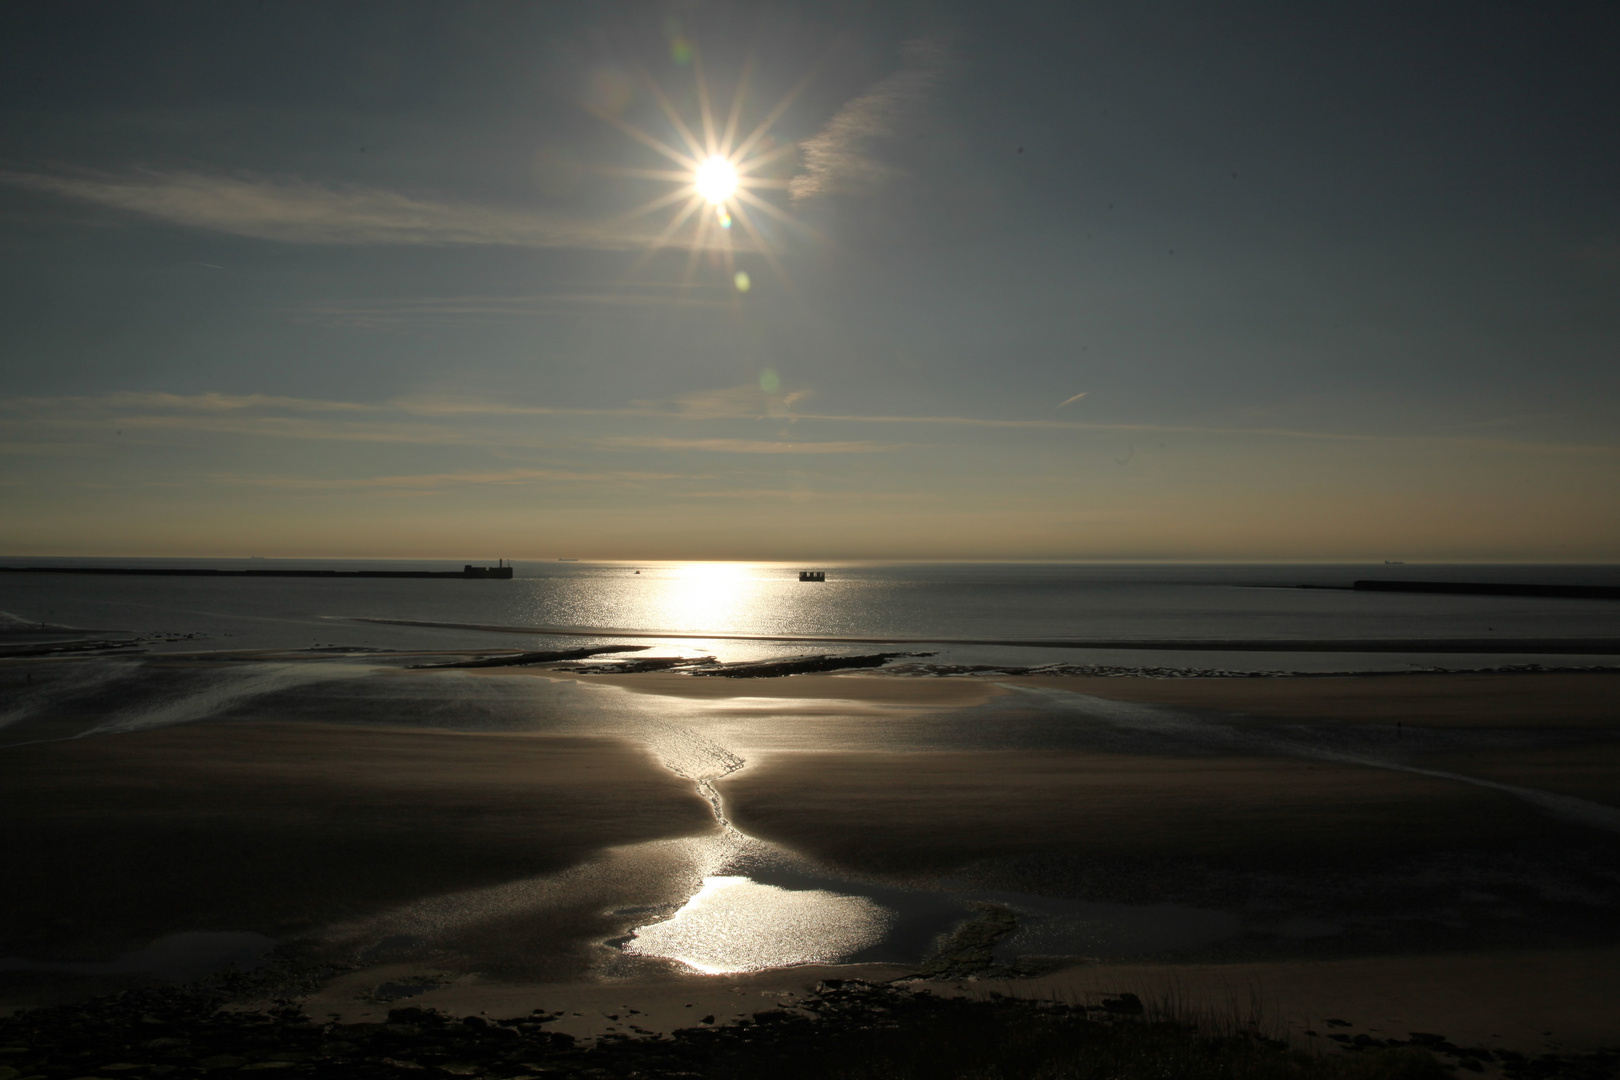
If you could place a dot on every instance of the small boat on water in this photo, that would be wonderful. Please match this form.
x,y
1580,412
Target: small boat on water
x,y
812,575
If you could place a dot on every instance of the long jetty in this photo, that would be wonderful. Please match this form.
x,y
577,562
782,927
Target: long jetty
x,y
1478,588
465,573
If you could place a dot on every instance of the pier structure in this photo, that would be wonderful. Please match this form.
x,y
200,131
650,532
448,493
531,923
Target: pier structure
x,y
467,572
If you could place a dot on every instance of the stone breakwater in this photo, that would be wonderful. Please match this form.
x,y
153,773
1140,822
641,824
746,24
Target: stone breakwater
x,y
1115,671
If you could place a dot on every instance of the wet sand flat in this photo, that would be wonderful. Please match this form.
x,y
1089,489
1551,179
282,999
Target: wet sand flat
x,y
1512,700
282,827
1590,771
931,812
114,841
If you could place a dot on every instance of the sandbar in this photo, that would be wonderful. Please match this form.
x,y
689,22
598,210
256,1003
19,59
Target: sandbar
x,y
1528,700
933,812
281,828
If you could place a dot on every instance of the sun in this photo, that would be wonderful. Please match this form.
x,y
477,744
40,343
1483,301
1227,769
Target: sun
x,y
715,180
719,169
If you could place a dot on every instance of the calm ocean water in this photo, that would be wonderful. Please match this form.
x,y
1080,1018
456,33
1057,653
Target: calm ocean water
x,y
981,603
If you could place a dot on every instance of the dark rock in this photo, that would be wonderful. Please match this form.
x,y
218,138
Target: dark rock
x,y
516,659
799,665
1125,1005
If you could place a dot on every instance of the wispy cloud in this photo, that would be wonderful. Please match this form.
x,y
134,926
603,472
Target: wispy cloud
x,y
846,157
435,420
305,428
734,402
210,402
1071,401
436,481
296,211
747,446
416,309
43,449
802,495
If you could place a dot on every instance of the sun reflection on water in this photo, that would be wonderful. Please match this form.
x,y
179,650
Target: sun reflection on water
x,y
735,924
705,596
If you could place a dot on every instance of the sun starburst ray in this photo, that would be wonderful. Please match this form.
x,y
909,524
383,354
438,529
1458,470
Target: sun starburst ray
x,y
764,247
715,181
705,112
655,204
786,219
758,160
692,206
732,120
640,174
692,257
657,144
772,117
673,115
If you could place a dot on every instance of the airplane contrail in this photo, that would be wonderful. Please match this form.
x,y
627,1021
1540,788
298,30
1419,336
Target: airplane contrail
x,y
1074,399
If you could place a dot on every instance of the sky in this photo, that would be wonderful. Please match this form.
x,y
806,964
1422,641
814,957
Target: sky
x,y
1123,280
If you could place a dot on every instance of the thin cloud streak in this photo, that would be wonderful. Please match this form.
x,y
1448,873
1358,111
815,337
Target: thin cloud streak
x,y
748,446
386,312
244,414
1071,401
842,158
296,211
286,427
209,402
746,401
442,480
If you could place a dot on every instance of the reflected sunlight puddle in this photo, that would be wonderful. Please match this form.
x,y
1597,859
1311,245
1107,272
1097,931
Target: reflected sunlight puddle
x,y
735,924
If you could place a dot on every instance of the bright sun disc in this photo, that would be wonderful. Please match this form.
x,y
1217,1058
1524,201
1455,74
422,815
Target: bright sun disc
x,y
715,180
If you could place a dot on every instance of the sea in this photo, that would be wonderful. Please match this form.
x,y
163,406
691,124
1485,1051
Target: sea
x,y
1192,617
730,902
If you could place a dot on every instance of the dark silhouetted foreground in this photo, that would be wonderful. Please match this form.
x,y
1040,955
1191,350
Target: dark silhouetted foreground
x,y
849,1030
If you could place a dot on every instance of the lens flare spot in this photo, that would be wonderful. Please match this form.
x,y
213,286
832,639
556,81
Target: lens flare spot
x,y
607,91
769,381
723,217
715,180
742,281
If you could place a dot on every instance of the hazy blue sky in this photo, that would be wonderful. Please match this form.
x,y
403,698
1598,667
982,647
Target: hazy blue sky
x,y
1335,280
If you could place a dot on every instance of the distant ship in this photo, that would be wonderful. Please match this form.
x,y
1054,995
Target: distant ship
x,y
812,575
568,560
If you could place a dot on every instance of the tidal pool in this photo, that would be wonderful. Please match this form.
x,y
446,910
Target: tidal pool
x,y
735,924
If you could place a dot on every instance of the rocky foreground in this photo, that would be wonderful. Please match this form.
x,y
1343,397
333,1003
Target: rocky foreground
x,y
847,1029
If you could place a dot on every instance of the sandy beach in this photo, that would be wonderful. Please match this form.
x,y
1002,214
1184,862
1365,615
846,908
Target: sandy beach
x,y
284,828
509,858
